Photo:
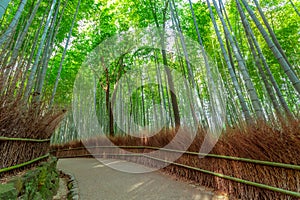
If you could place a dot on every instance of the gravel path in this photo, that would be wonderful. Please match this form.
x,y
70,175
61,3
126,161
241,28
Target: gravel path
x,y
99,182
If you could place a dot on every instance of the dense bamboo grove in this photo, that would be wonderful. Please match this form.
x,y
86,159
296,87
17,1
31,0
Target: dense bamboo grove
x,y
232,68
246,56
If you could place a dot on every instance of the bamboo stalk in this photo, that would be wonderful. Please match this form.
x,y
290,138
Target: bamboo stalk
x,y
23,139
23,164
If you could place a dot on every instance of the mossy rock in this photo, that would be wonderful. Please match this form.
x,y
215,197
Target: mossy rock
x,y
70,185
8,191
41,183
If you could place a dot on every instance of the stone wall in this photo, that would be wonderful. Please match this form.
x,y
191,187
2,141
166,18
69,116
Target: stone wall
x,y
40,183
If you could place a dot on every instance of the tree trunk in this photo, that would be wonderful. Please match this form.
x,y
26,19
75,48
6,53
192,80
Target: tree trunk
x,y
165,62
163,105
20,39
252,38
29,61
37,58
64,54
191,76
241,63
296,10
108,100
232,74
289,72
47,54
270,29
3,6
13,23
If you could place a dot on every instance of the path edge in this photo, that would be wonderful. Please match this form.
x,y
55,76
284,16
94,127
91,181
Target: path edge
x,y
72,185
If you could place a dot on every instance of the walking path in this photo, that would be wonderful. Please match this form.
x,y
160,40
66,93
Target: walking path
x,y
99,182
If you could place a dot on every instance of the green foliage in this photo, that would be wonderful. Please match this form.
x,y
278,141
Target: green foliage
x,y
203,22
99,20
38,183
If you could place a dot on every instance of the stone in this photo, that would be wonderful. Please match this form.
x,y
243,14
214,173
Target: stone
x,y
39,183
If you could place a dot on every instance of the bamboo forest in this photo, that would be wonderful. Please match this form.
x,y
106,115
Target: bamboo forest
x,y
149,99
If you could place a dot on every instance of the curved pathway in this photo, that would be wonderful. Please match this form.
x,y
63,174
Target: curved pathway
x,y
99,182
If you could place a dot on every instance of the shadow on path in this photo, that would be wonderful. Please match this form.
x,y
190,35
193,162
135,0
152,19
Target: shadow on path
x,y
97,181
